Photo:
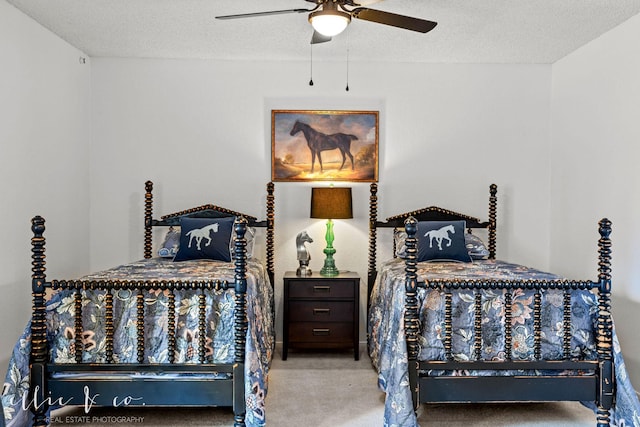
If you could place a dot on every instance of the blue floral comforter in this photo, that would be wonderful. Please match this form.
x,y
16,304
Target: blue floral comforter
x,y
387,344
219,340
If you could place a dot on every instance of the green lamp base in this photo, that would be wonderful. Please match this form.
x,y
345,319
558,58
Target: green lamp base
x,y
329,268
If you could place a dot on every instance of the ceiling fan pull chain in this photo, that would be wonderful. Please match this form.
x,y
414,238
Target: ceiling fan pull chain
x,y
347,88
311,66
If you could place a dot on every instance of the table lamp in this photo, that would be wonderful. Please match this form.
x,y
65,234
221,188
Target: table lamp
x,y
330,203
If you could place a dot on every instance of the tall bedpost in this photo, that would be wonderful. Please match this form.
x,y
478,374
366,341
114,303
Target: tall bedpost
x,y
493,213
270,231
240,321
373,219
38,392
411,319
148,218
605,326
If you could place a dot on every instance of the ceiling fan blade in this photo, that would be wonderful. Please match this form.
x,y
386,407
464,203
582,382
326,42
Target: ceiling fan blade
x,y
393,19
319,38
267,13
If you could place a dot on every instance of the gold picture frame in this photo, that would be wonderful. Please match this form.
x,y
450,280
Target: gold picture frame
x,y
324,145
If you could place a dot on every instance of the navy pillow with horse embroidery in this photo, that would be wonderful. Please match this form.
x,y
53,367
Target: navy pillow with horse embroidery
x,y
442,241
205,238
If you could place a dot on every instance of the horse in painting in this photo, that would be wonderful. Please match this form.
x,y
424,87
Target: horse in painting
x,y
319,142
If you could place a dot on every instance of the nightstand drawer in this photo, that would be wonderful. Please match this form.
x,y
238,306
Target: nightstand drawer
x,y
320,289
321,311
310,332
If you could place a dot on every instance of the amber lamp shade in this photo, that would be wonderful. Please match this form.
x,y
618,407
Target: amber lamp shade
x,y
331,203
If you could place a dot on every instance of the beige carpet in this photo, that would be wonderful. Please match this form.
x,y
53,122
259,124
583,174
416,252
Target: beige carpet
x,y
333,390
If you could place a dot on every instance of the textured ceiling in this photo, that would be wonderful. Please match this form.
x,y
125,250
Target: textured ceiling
x,y
488,31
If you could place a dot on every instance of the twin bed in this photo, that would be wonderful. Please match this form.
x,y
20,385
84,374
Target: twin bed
x,y
450,323
193,329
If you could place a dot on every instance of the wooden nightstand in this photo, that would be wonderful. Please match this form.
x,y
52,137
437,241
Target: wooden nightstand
x,y
321,312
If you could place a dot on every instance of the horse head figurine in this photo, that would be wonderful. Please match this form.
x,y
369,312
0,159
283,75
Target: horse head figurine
x,y
303,254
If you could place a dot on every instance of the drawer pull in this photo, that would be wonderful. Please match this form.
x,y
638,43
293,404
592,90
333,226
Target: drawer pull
x,y
321,311
318,288
321,332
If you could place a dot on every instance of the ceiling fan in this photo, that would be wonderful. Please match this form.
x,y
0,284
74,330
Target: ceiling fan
x,y
330,17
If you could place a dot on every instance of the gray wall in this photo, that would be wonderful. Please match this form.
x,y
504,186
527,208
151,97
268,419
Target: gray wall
x,y
45,125
595,133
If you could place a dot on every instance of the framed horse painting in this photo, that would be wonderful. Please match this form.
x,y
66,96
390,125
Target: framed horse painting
x,y
324,145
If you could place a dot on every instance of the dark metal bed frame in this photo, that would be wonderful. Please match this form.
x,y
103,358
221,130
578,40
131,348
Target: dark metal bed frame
x,y
45,389
599,387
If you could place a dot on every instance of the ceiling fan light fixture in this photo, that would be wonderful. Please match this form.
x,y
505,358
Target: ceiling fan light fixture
x,y
329,22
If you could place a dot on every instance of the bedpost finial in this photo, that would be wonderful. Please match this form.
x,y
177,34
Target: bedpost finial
x,y
37,225
240,226
604,228
374,187
148,186
411,226
493,189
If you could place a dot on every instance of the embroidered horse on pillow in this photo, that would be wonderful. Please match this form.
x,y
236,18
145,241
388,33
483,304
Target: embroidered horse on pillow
x,y
439,235
200,234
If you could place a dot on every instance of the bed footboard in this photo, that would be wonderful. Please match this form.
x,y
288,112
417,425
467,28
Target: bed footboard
x,y
536,384
109,384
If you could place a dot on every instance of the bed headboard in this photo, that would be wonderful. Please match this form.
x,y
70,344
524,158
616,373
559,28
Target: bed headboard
x,y
209,211
432,213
